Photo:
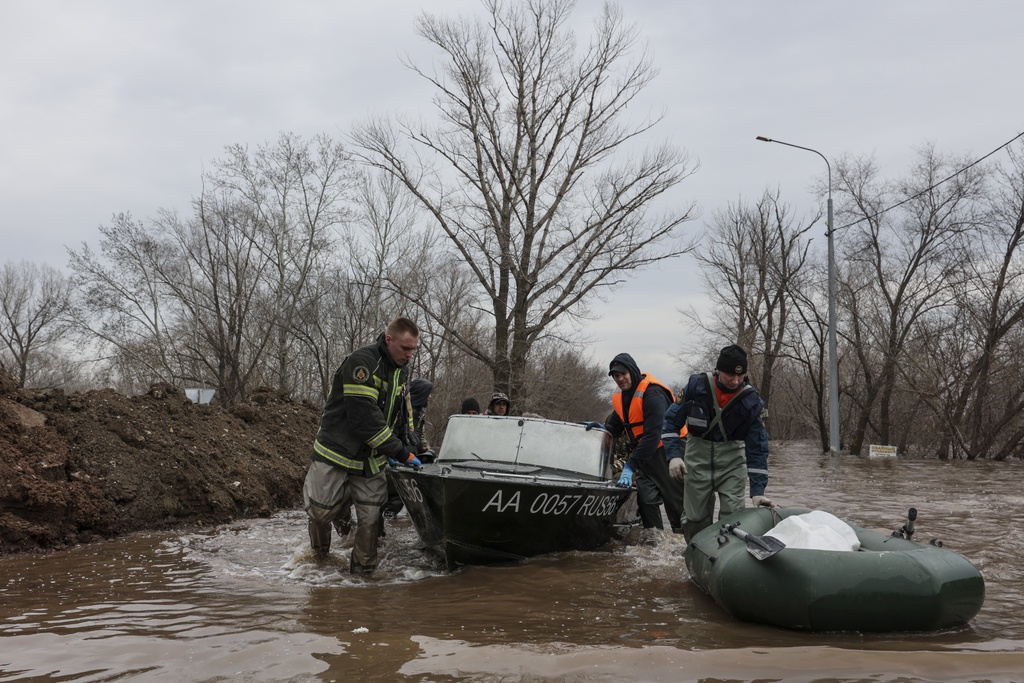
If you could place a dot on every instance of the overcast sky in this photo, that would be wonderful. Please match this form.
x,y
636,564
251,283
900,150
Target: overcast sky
x,y
112,106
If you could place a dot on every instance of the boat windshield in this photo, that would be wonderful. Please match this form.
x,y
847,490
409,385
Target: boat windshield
x,y
528,441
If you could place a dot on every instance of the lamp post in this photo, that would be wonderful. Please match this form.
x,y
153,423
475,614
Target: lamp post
x,y
833,362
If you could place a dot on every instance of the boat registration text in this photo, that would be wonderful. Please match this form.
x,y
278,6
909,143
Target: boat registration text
x,y
552,503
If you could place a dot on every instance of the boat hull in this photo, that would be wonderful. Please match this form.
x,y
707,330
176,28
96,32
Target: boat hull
x,y
890,584
476,515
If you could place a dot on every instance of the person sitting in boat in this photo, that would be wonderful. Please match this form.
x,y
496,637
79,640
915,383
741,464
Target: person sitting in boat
x,y
726,443
358,432
470,406
638,411
499,404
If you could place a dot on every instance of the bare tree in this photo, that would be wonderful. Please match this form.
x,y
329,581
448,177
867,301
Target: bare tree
x,y
907,264
563,386
217,286
753,258
176,300
972,376
806,340
34,300
298,192
526,175
120,303
215,297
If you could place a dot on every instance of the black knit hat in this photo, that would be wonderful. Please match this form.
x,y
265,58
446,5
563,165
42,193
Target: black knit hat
x,y
470,404
732,359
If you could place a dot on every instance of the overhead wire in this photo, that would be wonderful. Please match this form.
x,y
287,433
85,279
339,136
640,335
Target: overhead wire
x,y
932,187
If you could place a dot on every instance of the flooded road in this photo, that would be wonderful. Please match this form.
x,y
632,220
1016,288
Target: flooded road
x,y
244,602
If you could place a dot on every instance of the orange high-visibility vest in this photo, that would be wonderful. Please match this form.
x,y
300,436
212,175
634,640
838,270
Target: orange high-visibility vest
x,y
635,421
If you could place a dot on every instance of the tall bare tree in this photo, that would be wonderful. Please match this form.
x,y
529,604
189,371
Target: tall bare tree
x,y
218,287
530,174
121,304
971,374
753,258
34,300
907,264
214,297
298,191
806,340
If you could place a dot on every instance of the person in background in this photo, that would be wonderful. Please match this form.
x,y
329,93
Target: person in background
x,y
499,404
470,406
358,433
419,399
638,411
726,443
411,432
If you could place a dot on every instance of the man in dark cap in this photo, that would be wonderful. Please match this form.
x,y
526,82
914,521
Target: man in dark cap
x,y
638,411
499,404
726,442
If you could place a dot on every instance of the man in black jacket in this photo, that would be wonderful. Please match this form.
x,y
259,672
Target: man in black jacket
x,y
359,431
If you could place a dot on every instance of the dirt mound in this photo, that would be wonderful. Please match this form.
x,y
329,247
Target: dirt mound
x,y
78,467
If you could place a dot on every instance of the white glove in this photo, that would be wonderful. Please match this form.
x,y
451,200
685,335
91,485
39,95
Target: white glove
x,y
762,501
677,469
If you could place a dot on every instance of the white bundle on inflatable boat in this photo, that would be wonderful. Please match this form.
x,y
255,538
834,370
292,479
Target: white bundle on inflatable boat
x,y
815,530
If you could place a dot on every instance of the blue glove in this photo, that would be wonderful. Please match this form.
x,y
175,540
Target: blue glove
x,y
392,462
414,462
593,425
626,480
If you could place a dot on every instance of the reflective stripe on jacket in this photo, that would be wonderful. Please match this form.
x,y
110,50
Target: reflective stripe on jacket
x,y
700,406
364,423
740,420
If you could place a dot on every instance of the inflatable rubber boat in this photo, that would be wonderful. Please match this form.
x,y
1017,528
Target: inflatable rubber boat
x,y
883,583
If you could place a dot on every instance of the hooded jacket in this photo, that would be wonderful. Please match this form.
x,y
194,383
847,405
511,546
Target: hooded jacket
x,y
656,400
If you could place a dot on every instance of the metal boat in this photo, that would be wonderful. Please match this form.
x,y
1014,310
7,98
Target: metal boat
x,y
506,488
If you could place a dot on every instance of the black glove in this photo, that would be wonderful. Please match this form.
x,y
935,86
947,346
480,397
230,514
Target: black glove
x,y
593,425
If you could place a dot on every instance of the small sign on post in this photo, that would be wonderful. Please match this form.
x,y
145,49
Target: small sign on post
x,y
200,395
875,451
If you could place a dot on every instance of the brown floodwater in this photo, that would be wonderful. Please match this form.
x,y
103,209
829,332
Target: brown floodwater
x,y
244,602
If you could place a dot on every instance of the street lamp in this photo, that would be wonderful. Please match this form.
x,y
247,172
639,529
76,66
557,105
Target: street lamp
x,y
833,362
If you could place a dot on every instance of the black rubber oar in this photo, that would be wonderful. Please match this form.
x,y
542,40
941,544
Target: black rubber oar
x,y
761,547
